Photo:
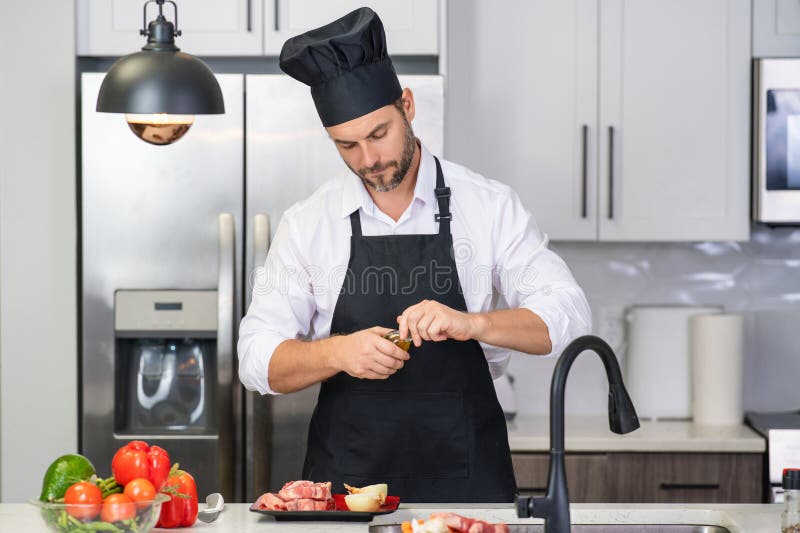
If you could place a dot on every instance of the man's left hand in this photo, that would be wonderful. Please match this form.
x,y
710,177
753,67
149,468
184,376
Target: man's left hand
x,y
432,321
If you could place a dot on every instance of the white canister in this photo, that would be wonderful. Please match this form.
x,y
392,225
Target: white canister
x,y
717,342
657,364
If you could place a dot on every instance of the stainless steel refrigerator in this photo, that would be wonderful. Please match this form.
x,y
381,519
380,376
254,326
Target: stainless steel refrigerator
x,y
170,238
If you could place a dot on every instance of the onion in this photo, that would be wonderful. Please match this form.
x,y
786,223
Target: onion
x,y
380,490
363,503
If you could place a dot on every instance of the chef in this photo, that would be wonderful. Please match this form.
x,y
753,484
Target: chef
x,y
406,241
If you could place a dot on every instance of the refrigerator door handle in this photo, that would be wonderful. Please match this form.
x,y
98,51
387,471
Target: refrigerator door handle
x,y
260,240
225,328
256,407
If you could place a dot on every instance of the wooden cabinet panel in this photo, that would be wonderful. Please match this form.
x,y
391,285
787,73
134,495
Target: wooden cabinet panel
x,y
586,475
648,477
685,477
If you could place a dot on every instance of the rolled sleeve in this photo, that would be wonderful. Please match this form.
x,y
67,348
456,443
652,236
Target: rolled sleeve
x,y
281,308
531,276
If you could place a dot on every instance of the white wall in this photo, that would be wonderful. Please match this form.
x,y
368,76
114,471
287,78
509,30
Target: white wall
x,y
38,345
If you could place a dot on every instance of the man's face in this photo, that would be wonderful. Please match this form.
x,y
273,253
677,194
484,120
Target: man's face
x,y
378,147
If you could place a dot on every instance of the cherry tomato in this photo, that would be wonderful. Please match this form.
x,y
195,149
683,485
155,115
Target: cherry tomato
x,y
117,507
140,490
83,500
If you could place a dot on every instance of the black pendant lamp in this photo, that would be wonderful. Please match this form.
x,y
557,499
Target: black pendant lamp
x,y
160,89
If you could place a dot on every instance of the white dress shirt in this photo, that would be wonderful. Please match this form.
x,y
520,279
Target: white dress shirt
x,y
499,251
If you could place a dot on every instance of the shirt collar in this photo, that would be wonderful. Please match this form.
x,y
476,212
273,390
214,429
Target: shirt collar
x,y
355,195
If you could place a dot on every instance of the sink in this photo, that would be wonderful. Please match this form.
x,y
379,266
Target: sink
x,y
590,528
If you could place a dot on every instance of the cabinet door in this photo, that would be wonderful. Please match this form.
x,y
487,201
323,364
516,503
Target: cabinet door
x,y
522,104
412,26
587,481
674,142
209,27
685,477
776,28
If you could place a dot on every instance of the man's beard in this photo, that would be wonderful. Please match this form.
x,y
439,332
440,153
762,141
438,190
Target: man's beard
x,y
401,167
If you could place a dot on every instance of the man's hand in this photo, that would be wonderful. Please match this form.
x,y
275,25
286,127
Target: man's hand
x,y
430,320
366,354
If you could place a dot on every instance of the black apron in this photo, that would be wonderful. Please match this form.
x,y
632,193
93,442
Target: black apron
x,y
434,431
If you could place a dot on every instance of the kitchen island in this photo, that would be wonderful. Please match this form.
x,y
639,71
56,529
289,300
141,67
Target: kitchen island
x,y
755,518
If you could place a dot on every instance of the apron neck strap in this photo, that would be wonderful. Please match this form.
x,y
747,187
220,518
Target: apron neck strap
x,y
442,197
355,223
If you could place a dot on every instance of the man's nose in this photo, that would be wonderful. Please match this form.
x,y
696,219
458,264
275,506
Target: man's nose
x,y
369,155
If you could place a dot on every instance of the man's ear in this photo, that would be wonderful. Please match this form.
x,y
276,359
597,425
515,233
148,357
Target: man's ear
x,y
408,104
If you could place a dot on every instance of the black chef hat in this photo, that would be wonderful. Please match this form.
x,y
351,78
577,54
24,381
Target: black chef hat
x,y
346,64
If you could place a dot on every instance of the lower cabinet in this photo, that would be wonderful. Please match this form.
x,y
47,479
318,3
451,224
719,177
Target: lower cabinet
x,y
648,477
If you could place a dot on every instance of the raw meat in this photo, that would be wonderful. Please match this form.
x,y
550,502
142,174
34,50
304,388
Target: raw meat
x,y
462,524
298,496
305,489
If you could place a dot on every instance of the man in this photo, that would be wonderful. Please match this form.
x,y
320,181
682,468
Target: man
x,y
426,422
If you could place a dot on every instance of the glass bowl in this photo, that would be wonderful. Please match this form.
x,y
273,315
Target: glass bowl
x,y
59,518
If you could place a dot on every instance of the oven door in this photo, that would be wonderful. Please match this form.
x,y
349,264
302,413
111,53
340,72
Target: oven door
x,y
776,136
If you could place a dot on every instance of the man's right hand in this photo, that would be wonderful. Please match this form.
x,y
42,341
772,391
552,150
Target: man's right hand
x,y
366,354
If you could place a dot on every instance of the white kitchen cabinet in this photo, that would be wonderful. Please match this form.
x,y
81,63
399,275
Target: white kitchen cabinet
x,y
521,91
674,120
670,78
210,28
776,28
412,26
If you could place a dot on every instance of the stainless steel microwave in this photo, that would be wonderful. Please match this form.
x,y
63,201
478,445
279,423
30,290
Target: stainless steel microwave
x,y
776,141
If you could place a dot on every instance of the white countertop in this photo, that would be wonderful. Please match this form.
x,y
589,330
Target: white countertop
x,y
590,433
738,518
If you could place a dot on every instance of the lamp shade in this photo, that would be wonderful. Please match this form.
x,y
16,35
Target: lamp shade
x,y
152,81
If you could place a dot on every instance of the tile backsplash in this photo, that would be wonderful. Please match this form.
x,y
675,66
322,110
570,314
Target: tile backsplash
x,y
759,278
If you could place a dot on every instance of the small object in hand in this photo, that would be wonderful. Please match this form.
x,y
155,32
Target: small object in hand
x,y
394,336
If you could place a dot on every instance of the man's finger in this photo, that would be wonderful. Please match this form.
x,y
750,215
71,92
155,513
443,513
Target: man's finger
x,y
423,325
389,362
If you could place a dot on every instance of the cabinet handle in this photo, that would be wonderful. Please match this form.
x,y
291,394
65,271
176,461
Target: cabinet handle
x,y
249,16
277,13
584,140
611,172
689,486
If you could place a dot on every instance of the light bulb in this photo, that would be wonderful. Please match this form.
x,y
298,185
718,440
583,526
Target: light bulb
x,y
159,128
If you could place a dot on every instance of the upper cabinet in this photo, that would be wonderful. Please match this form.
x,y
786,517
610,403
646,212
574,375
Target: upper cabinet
x,y
248,27
210,27
411,25
613,120
674,120
776,28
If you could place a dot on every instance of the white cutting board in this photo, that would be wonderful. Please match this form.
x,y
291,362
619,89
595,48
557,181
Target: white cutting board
x,y
658,364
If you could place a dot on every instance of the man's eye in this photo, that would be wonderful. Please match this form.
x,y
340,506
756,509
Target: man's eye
x,y
379,136
347,146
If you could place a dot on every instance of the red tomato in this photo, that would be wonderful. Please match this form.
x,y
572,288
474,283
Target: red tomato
x,y
140,490
83,500
117,507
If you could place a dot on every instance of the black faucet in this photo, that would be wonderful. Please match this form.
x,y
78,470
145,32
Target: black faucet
x,y
554,507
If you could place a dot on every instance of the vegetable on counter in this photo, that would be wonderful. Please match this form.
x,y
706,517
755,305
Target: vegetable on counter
x,y
181,509
64,472
139,460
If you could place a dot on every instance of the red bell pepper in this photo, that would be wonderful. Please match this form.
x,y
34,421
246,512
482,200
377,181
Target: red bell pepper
x,y
136,459
181,509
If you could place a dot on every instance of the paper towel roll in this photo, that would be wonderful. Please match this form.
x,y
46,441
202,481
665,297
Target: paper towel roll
x,y
717,347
